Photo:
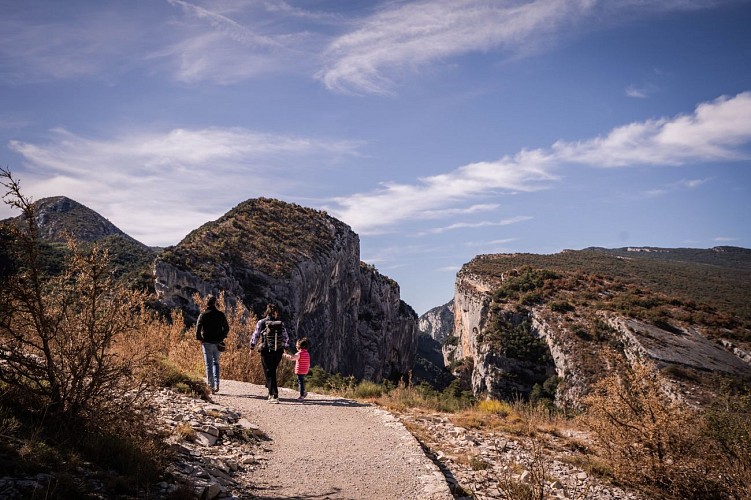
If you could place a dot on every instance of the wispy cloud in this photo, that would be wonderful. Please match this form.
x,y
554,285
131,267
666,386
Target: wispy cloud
x,y
643,91
193,42
229,42
223,50
472,225
205,171
724,239
502,241
681,185
449,269
38,48
717,130
406,36
453,212
377,211
403,37
692,183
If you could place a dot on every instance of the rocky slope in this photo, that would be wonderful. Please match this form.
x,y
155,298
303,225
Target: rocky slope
x,y
548,323
308,263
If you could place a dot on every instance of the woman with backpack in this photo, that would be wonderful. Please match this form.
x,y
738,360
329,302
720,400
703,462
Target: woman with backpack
x,y
271,337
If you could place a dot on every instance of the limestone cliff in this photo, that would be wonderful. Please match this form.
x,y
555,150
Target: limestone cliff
x,y
438,322
308,263
549,332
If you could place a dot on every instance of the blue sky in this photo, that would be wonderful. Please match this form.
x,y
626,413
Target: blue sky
x,y
437,129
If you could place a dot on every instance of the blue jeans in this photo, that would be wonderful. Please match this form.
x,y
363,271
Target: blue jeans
x,y
211,358
301,383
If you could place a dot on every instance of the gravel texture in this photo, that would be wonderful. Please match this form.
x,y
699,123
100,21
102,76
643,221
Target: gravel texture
x,y
332,448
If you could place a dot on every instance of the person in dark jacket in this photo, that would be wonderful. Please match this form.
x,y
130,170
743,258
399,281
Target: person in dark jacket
x,y
272,337
211,330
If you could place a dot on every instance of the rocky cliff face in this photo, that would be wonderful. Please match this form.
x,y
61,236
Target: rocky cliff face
x,y
266,251
438,322
519,330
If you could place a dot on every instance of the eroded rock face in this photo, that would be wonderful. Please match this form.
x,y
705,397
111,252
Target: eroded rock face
x,y
438,322
352,314
579,361
471,299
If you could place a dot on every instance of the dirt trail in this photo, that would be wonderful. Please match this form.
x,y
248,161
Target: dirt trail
x,y
332,448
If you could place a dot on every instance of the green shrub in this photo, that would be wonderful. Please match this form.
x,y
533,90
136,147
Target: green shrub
x,y
561,306
367,389
169,375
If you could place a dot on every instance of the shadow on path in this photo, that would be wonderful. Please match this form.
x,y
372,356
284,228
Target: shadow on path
x,y
265,493
344,403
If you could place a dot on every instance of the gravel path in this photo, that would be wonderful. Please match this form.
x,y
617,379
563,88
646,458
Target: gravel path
x,y
332,448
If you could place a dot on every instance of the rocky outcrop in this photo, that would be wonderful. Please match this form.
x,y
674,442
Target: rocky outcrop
x,y
309,265
58,217
577,341
438,322
471,299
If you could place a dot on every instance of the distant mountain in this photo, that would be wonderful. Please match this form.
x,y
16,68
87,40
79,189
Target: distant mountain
x,y
59,218
543,325
438,322
435,326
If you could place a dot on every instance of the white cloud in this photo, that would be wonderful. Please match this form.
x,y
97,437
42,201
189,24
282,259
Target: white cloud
x,y
638,93
724,239
472,225
231,41
692,183
192,42
717,130
370,213
641,91
405,36
502,241
142,177
677,186
449,269
222,50
712,132
452,212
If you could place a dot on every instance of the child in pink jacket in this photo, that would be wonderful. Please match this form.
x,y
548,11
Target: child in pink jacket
x,y
302,364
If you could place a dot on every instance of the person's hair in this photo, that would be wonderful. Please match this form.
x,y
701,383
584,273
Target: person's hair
x,y
210,301
303,343
271,309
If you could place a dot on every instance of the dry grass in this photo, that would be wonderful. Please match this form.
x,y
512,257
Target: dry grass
x,y
185,431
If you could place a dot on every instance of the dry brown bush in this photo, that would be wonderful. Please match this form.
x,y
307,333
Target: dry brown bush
x,y
660,444
58,333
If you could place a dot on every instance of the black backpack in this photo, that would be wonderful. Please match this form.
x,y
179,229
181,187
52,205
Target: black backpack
x,y
273,334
